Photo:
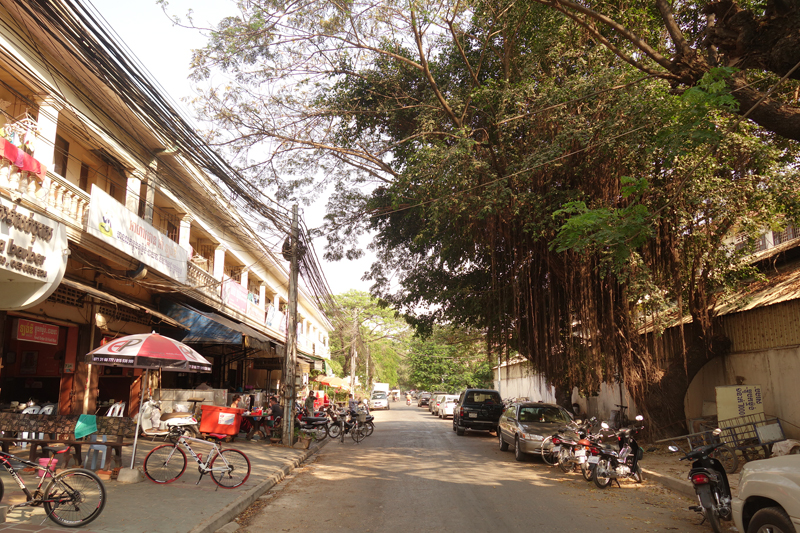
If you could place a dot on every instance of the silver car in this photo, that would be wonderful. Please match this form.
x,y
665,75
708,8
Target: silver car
x,y
525,425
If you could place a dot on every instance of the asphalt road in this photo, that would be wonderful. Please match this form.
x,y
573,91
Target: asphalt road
x,y
415,474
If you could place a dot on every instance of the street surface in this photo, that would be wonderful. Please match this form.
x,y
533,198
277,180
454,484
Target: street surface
x,y
415,474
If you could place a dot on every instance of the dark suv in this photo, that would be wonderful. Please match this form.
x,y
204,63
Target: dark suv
x,y
477,409
423,399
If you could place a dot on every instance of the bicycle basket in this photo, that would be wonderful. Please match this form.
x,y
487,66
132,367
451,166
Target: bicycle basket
x,y
362,417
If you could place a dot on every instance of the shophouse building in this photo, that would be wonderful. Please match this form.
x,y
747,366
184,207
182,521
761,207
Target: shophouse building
x,y
115,219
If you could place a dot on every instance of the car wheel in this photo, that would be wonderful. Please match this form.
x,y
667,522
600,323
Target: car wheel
x,y
518,455
460,430
770,520
454,423
503,444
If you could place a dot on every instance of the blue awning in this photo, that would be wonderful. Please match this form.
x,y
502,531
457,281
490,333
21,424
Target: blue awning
x,y
211,328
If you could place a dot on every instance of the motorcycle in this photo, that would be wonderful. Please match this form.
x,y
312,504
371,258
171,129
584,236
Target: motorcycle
x,y
318,425
710,483
155,423
339,422
613,465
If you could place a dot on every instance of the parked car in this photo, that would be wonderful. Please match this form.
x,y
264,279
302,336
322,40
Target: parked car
x,y
447,405
433,405
423,398
379,400
478,409
527,424
769,496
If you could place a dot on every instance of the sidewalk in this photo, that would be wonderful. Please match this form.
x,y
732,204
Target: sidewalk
x,y
178,507
666,468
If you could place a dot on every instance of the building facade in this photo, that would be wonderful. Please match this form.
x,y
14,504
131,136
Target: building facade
x,y
114,220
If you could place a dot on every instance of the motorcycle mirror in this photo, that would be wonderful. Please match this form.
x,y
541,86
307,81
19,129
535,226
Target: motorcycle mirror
x,y
673,448
604,425
639,418
717,432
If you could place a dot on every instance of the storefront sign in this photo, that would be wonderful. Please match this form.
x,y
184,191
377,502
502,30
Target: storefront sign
x,y
234,295
115,224
28,330
33,256
255,312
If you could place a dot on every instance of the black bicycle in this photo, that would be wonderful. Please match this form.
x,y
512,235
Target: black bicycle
x,y
71,498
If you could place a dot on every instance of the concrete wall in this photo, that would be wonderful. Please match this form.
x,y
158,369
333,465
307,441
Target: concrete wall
x,y
776,370
519,380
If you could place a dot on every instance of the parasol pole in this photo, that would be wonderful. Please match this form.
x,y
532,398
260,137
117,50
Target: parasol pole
x,y
139,418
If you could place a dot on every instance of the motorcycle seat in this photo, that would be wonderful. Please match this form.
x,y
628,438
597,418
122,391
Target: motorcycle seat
x,y
168,416
313,419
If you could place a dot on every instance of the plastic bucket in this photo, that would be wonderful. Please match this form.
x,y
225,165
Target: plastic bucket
x,y
43,462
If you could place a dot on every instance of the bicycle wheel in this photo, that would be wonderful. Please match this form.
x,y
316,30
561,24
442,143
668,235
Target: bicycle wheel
x,y
548,456
234,468
359,432
165,463
370,428
74,498
334,430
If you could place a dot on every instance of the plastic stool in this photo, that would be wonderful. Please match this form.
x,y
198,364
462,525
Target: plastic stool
x,y
94,450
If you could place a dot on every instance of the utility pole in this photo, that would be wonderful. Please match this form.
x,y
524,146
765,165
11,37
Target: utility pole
x,y
291,340
354,354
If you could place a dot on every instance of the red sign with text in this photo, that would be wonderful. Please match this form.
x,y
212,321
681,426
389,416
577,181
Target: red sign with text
x,y
28,330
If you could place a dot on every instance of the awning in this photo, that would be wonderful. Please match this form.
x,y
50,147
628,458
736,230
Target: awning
x,y
110,298
207,327
316,362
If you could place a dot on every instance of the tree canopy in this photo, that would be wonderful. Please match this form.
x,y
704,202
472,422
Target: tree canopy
x,y
518,177
449,360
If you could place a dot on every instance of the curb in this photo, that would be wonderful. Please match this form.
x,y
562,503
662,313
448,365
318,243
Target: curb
x,y
677,485
232,510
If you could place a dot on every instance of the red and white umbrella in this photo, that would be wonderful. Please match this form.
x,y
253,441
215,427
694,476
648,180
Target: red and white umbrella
x,y
151,351
148,351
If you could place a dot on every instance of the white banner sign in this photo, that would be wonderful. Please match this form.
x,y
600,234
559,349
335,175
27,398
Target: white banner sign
x,y
115,224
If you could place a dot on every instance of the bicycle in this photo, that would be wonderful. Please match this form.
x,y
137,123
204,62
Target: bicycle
x,y
229,468
72,498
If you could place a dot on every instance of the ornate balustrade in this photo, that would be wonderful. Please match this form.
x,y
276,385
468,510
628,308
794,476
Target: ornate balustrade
x,y
202,281
59,195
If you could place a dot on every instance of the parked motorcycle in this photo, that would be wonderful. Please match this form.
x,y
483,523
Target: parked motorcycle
x,y
155,423
613,465
573,445
318,425
710,483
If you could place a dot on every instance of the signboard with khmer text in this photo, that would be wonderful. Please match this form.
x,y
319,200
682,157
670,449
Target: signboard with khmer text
x,y
33,256
736,401
115,224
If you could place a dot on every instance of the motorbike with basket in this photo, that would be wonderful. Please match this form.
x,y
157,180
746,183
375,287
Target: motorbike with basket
x,y
613,465
710,482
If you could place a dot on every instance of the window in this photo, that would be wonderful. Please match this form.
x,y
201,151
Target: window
x,y
483,397
543,414
511,412
61,156
84,180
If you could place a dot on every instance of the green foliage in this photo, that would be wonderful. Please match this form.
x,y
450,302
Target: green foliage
x,y
450,360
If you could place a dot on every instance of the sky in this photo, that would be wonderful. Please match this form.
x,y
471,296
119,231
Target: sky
x,y
165,50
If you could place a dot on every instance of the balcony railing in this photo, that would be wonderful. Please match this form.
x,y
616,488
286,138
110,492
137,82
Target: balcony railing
x,y
202,281
61,197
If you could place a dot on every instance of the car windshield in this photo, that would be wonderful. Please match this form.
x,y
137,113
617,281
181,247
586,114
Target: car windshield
x,y
378,395
425,395
552,415
490,397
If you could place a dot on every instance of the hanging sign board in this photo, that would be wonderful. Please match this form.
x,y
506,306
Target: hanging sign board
x,y
112,222
28,330
33,256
